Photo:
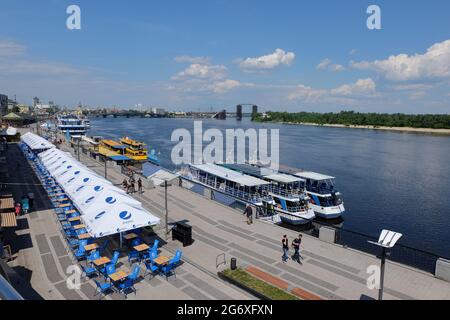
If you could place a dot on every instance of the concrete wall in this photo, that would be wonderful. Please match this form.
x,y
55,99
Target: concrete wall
x,y
443,269
327,234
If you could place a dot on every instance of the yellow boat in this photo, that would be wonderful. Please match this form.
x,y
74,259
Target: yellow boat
x,y
110,148
135,150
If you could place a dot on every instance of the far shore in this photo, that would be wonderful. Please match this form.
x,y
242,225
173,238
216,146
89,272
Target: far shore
x,y
398,129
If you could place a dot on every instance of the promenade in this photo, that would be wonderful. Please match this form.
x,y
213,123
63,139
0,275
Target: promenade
x,y
328,271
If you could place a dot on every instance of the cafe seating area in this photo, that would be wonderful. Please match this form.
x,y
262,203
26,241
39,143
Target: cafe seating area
x,y
112,254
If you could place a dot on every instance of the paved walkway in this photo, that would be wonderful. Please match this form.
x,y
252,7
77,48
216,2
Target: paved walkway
x,y
329,271
43,259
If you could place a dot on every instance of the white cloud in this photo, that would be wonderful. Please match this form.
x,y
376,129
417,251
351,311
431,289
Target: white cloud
x,y
9,48
360,89
353,52
202,71
433,64
323,64
224,86
270,61
326,64
31,68
189,59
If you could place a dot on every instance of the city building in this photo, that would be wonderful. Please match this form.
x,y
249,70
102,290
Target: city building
x,y
3,104
11,105
35,101
158,111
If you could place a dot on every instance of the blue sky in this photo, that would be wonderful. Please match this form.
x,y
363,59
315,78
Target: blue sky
x,y
284,55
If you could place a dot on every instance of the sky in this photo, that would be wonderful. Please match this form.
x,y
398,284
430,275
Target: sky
x,y
213,54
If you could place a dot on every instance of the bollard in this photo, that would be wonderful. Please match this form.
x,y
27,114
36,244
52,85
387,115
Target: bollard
x,y
233,264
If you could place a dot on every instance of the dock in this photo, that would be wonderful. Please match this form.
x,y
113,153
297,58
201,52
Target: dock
x,y
329,271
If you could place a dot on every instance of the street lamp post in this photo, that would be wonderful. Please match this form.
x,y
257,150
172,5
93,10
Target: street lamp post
x,y
166,208
387,240
106,173
78,151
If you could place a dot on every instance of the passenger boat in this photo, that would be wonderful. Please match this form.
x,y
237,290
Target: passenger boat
x,y
326,200
135,150
290,200
244,188
72,125
110,148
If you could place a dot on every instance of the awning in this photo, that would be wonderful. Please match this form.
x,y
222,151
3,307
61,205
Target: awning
x,y
35,142
119,158
8,220
105,209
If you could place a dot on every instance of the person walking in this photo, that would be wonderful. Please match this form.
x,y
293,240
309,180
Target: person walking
x,y
25,205
285,243
296,245
125,185
133,187
249,213
139,182
17,209
31,199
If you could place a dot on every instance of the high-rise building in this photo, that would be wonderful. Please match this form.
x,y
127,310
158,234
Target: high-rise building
x,y
35,101
3,104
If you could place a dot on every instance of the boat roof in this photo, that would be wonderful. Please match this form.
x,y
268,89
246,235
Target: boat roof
x,y
131,141
264,173
230,175
313,175
89,140
114,144
283,178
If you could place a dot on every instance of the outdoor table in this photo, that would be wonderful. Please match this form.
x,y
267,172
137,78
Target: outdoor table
x,y
70,211
79,226
6,203
62,199
91,247
84,236
117,276
64,205
57,194
161,260
101,261
130,236
141,247
74,219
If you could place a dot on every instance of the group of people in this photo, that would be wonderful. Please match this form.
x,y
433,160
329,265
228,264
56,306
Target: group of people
x,y
130,185
25,204
285,242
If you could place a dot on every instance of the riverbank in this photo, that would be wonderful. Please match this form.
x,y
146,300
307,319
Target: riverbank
x,y
398,129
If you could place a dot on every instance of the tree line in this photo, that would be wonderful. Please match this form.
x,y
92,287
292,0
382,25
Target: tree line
x,y
349,118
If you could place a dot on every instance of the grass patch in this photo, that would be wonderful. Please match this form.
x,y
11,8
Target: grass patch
x,y
256,284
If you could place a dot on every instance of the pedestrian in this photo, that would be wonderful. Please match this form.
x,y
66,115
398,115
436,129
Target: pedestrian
x,y
133,187
17,209
31,199
296,245
139,182
25,205
249,213
285,243
125,185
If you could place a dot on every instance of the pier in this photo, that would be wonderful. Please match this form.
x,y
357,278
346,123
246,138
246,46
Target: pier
x,y
329,271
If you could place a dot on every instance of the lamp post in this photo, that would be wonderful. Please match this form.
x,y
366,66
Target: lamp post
x,y
166,208
106,173
78,151
387,240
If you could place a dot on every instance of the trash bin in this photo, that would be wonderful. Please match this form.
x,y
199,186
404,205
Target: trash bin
x,y
233,264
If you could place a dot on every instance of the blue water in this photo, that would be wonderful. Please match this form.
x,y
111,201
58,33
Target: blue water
x,y
392,180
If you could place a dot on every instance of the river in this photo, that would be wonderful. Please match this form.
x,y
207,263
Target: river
x,y
391,180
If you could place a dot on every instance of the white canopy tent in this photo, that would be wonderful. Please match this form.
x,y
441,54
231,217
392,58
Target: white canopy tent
x,y
105,209
35,142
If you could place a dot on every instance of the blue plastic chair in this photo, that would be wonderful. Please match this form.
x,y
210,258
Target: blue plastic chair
x,y
132,256
80,254
93,256
136,242
155,246
169,269
109,269
150,268
150,255
102,288
177,257
89,272
128,283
